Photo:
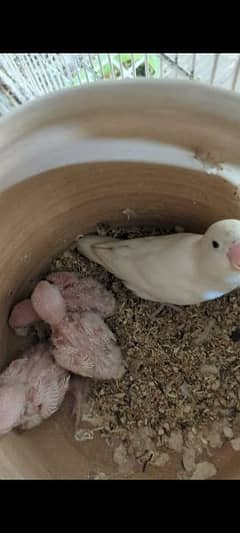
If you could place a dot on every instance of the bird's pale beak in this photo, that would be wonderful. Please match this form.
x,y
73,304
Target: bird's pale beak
x,y
234,255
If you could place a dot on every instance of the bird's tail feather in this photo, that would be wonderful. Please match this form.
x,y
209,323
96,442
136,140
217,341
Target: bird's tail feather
x,y
91,245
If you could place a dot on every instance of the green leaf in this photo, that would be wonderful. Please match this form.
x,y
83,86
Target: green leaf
x,y
154,63
127,59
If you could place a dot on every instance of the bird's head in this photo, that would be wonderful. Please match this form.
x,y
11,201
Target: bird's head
x,y
48,303
220,248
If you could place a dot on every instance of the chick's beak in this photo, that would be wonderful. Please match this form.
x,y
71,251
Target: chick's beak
x,y
234,255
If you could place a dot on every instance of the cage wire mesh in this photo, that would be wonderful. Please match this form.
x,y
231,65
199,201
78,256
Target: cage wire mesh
x,y
24,77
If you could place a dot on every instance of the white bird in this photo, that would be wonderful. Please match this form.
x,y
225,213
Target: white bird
x,y
178,269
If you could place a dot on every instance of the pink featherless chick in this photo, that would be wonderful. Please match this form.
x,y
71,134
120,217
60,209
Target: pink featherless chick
x,y
83,294
82,342
80,294
22,317
32,388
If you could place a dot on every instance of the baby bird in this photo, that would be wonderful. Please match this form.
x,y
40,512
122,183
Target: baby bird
x,y
22,317
179,269
82,342
83,294
80,294
32,388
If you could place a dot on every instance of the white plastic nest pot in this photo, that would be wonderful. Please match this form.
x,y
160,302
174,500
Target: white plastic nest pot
x,y
165,151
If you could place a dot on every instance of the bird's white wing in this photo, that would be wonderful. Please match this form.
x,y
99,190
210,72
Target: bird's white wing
x,y
155,268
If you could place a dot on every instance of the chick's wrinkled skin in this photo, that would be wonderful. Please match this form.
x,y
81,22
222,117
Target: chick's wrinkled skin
x,y
84,345
22,317
82,342
32,388
78,294
83,294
